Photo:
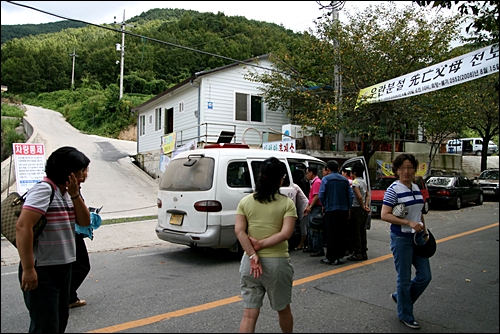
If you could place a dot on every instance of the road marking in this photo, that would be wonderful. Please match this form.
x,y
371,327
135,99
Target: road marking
x,y
230,300
4,274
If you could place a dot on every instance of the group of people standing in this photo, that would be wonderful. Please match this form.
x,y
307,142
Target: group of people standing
x,y
265,220
344,203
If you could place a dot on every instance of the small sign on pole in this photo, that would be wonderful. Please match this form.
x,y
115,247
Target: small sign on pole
x,y
29,160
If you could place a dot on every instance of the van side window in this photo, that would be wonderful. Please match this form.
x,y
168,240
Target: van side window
x,y
256,173
238,175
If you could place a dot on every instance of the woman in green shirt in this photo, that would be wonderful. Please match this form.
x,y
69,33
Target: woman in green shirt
x,y
265,220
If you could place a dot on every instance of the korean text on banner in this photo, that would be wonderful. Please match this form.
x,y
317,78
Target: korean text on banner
x,y
470,66
281,146
29,160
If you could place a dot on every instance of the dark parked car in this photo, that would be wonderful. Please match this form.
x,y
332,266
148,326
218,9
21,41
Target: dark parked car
x,y
453,191
488,181
381,185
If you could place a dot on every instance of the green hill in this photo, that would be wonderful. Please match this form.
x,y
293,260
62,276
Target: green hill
x,y
168,46
22,30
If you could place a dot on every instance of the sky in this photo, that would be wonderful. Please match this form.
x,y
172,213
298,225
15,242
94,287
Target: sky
x,y
295,15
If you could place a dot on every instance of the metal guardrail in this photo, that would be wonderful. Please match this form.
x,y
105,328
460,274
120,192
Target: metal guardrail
x,y
209,137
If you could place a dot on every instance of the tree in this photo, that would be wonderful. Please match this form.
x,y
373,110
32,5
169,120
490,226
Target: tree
x,y
484,16
378,44
440,116
480,103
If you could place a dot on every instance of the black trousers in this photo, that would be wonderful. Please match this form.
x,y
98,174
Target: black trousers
x,y
336,234
80,268
357,231
48,303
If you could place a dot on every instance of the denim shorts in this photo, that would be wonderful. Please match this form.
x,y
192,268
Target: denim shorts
x,y
276,280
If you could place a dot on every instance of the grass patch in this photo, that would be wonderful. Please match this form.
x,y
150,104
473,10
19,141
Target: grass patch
x,y
12,111
126,220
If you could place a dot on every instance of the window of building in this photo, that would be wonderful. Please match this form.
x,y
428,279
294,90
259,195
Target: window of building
x,y
158,119
142,125
249,108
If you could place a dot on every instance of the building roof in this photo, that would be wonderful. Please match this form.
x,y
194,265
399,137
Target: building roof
x,y
197,75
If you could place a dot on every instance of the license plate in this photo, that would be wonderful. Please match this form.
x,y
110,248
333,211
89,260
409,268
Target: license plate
x,y
374,209
176,219
489,192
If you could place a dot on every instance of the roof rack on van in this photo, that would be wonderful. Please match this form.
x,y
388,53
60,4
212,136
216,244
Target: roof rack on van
x,y
226,145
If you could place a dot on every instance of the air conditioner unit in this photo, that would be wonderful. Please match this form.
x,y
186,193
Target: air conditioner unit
x,y
291,131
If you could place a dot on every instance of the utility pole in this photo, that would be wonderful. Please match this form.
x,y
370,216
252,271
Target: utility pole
x,y
337,84
73,70
122,49
334,7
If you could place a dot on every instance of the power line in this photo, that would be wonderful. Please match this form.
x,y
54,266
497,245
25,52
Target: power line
x,y
148,38
168,43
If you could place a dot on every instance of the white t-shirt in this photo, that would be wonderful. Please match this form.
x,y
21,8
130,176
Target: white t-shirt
x,y
359,183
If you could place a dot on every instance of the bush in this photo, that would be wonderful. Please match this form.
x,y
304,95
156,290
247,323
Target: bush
x,y
91,109
10,136
12,111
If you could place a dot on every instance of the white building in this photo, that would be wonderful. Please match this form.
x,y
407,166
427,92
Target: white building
x,y
202,106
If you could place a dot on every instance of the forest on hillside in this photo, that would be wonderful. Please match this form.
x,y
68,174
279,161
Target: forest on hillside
x,y
12,31
167,46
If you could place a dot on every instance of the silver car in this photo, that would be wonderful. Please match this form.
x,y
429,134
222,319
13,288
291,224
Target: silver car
x,y
488,181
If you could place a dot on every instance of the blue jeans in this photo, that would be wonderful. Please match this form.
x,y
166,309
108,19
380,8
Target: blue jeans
x,y
316,237
408,289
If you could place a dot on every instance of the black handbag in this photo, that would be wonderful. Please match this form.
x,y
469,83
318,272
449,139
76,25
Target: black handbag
x,y
318,222
428,249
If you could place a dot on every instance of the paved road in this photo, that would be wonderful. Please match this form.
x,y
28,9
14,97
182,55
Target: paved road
x,y
114,181
149,286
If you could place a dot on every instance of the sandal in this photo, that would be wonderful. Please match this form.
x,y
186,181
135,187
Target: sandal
x,y
78,303
299,247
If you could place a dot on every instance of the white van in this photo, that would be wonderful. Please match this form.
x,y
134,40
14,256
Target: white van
x,y
469,146
200,191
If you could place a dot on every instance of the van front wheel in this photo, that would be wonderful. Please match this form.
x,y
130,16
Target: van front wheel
x,y
478,153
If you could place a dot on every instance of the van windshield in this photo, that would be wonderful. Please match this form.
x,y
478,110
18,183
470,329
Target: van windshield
x,y
182,176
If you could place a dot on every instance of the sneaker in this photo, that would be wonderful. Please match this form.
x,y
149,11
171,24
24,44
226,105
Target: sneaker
x,y
78,303
338,262
394,298
412,324
365,256
355,257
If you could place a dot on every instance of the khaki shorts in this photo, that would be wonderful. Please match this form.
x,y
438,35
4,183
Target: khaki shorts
x,y
276,280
